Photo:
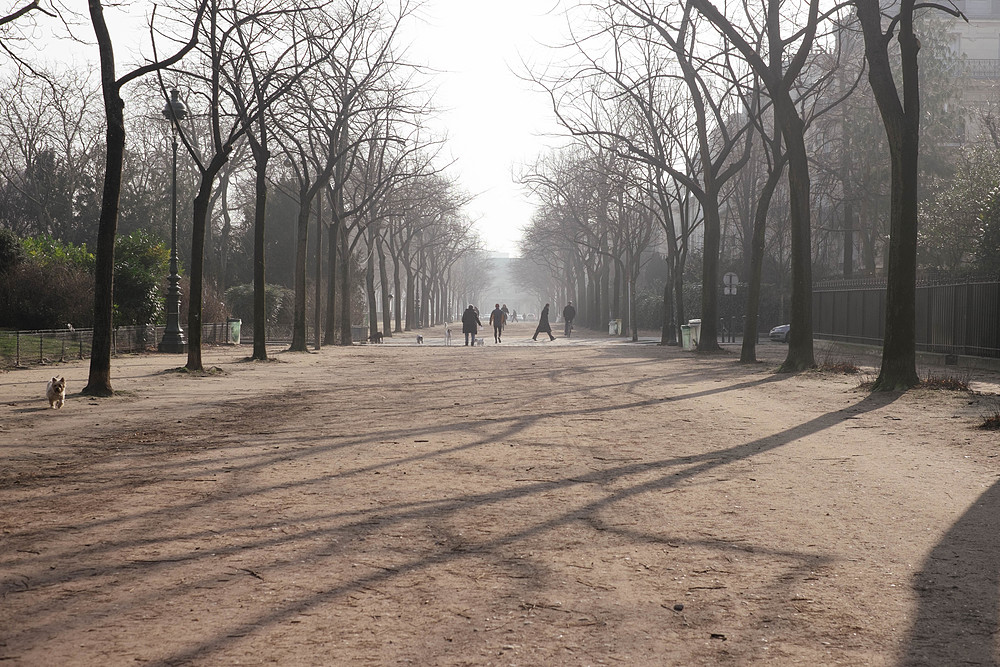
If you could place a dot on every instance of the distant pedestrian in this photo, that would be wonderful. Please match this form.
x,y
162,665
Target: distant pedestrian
x,y
470,324
569,314
498,319
543,324
513,316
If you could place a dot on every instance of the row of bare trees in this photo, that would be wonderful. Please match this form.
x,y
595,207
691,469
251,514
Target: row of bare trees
x,y
314,98
690,103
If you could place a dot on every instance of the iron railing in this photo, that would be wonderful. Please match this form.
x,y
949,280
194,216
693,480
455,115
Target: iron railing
x,y
952,318
25,348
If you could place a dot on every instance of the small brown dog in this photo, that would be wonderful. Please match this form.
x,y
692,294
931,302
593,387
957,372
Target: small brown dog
x,y
56,392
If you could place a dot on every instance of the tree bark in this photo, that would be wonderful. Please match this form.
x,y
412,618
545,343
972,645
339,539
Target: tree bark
x,y
259,284
318,298
301,253
902,126
800,336
99,380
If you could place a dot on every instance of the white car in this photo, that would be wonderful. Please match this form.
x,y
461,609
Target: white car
x,y
780,333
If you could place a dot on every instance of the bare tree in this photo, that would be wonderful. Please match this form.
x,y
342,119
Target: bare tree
x,y
99,381
901,118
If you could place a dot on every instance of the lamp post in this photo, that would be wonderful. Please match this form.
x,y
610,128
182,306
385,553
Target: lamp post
x,y
173,337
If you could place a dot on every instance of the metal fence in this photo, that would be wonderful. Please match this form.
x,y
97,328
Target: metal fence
x,y
954,318
25,348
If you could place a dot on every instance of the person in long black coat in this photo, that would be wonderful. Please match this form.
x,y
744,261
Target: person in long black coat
x,y
543,324
470,324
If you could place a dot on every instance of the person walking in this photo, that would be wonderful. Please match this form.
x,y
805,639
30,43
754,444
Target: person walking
x,y
543,324
569,313
498,319
470,324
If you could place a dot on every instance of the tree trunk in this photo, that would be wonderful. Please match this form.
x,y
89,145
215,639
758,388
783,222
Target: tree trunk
x,y
99,380
398,305
800,336
384,291
899,364
259,301
331,289
667,325
345,288
709,338
301,254
410,300
902,126
370,283
318,305
748,352
199,222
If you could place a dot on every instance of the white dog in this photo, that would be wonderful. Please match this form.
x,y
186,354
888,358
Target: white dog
x,y
420,339
56,392
447,336
480,342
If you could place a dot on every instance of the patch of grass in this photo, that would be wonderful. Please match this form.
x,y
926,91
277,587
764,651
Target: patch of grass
x,y
867,381
945,382
29,349
844,367
211,370
991,420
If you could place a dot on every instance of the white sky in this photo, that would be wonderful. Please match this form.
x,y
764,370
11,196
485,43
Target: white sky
x,y
495,121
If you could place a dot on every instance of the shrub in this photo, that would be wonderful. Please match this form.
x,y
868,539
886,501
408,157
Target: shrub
x,y
48,251
949,382
991,421
278,302
141,265
34,296
11,250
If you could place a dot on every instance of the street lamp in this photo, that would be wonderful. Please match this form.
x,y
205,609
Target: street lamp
x,y
173,337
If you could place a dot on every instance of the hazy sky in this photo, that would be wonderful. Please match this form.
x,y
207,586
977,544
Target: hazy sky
x,y
494,120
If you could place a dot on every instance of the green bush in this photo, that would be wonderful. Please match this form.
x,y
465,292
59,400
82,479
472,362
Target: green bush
x,y
11,250
34,296
141,265
278,301
48,251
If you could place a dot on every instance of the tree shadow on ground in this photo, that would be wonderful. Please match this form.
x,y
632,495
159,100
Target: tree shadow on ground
x,y
958,591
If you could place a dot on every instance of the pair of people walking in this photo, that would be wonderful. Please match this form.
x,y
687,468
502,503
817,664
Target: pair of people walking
x,y
498,318
471,323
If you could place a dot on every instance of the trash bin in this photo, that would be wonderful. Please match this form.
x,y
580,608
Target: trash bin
x,y
695,332
685,337
614,327
233,325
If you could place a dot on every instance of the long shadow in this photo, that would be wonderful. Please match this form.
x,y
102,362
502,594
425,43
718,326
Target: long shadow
x,y
674,469
322,444
672,476
959,592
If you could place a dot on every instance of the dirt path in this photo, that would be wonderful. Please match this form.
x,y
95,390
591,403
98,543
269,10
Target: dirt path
x,y
572,503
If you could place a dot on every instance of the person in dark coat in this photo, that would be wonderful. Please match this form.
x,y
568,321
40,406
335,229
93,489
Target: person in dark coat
x,y
470,324
569,314
498,319
543,324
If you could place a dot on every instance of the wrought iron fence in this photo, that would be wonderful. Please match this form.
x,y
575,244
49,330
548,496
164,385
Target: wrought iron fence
x,y
956,318
25,348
